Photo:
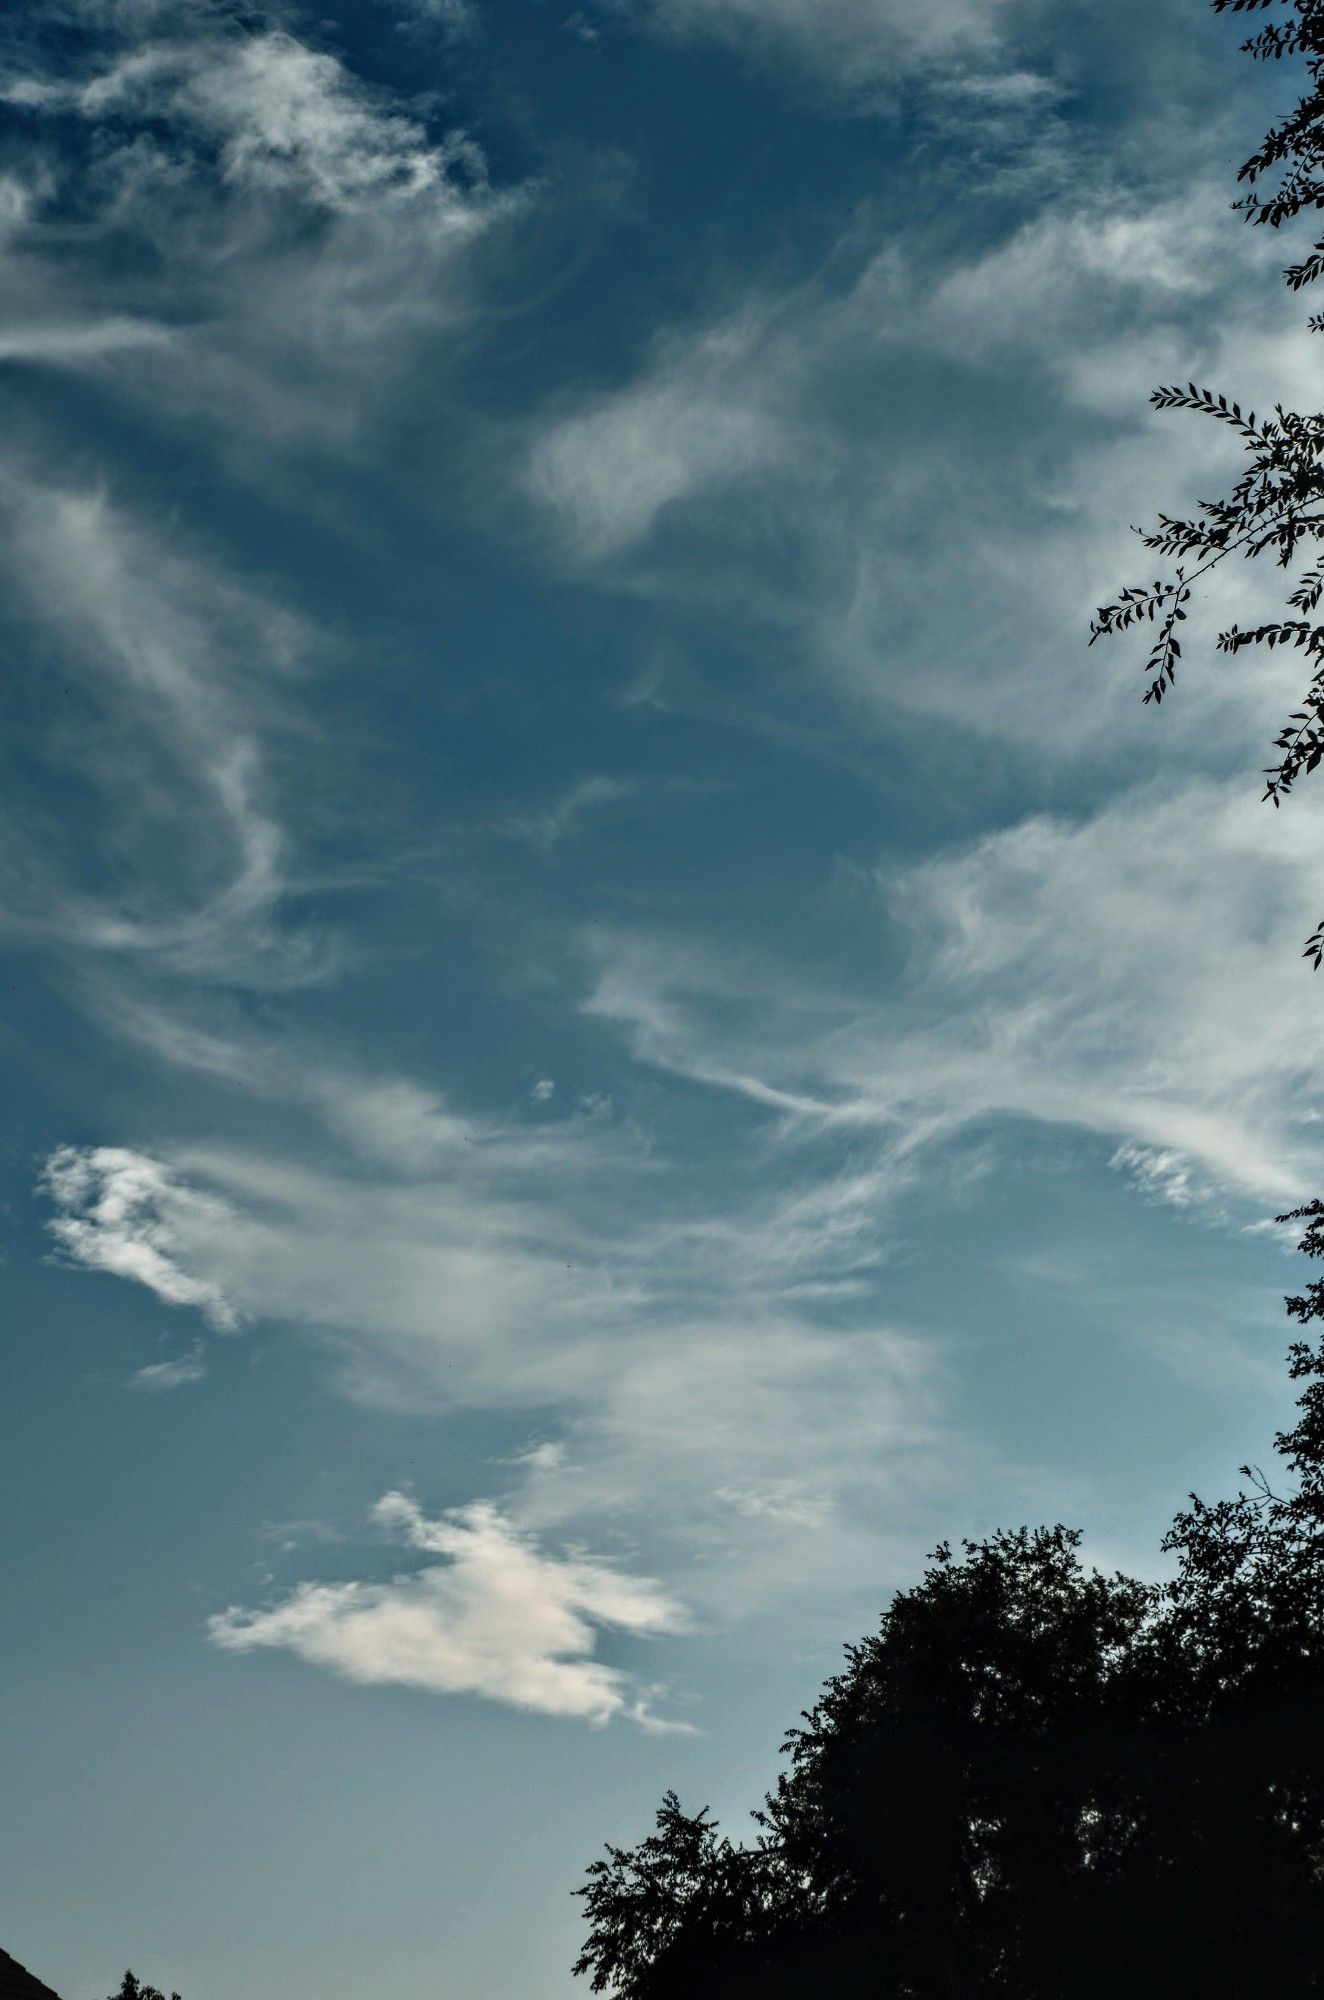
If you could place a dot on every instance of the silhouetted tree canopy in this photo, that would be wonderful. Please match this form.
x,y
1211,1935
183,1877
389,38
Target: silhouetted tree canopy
x,y
1277,504
1034,1780
131,1989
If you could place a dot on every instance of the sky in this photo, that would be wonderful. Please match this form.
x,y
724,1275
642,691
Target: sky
x,y
612,1026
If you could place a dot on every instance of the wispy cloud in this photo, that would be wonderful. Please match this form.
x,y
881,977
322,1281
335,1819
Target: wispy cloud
x,y
121,1213
79,343
497,1617
828,456
855,45
564,816
555,1269
179,675
466,1258
1093,973
279,114
159,1377
694,422
293,225
459,18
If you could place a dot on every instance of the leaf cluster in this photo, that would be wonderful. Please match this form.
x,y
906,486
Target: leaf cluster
x,y
1277,504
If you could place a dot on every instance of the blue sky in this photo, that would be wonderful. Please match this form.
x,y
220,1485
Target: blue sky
x,y
612,1027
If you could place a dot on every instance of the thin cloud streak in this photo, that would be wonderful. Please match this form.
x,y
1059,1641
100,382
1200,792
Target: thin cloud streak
x,y
183,677
160,1377
862,47
1093,974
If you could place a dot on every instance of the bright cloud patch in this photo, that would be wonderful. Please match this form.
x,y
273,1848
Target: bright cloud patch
x,y
288,220
1160,1176
689,426
159,1377
119,1212
280,114
497,1617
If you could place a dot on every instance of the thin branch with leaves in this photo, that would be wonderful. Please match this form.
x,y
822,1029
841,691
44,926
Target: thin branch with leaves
x,y
1277,505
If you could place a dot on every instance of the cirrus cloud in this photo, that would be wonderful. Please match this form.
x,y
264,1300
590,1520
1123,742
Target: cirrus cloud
x,y
853,45
291,225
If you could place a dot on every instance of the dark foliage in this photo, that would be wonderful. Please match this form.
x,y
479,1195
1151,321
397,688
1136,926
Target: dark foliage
x,y
130,1989
1033,1781
1277,505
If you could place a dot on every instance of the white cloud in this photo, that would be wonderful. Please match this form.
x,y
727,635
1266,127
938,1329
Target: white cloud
x,y
158,1377
498,1617
391,1120
713,1359
547,1456
564,816
78,343
855,44
1134,973
460,18
783,1501
1139,971
430,1288
514,1267
281,115
119,1212
693,422
175,678
830,457
556,1271
296,229
1161,1174
766,1455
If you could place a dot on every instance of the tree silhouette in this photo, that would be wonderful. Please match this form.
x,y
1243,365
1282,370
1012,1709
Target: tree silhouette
x,y
131,1989
1277,505
1033,1781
